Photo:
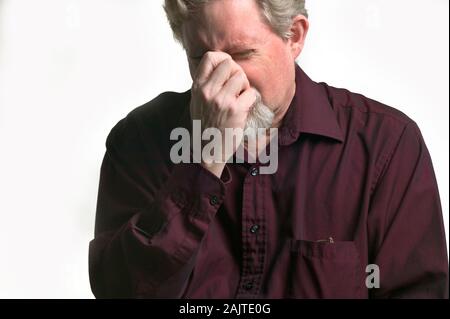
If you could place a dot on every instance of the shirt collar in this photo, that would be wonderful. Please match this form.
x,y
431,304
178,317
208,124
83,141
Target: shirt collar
x,y
309,112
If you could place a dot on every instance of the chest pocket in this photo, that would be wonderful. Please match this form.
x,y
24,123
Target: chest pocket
x,y
324,269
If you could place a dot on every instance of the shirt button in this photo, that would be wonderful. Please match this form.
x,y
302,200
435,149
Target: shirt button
x,y
254,229
248,285
254,171
214,200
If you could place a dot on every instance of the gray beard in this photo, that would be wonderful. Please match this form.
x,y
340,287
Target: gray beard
x,y
259,116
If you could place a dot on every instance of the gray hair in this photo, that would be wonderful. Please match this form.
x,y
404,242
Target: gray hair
x,y
278,13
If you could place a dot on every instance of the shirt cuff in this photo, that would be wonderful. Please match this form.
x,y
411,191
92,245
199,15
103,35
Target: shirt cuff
x,y
191,189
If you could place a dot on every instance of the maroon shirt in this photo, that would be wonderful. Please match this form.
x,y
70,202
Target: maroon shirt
x,y
350,168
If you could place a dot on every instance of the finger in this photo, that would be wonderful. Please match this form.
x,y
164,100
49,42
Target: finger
x,y
208,63
235,85
221,75
247,99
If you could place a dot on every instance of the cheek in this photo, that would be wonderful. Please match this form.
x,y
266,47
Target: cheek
x,y
257,72
281,71
267,79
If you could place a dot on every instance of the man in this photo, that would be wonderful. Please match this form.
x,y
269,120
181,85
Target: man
x,y
354,189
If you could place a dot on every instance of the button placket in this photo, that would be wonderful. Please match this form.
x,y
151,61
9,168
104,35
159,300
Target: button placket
x,y
248,285
253,237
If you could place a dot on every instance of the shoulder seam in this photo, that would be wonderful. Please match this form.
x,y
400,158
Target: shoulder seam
x,y
405,120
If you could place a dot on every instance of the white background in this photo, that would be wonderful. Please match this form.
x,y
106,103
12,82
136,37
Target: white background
x,y
70,69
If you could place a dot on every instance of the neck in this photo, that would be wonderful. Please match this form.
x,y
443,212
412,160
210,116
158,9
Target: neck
x,y
281,111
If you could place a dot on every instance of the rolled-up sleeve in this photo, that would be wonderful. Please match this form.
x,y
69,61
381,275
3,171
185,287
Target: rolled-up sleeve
x,y
405,224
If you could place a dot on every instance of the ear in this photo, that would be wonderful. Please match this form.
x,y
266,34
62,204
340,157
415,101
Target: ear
x,y
299,30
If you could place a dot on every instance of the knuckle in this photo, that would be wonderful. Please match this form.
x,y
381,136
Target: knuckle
x,y
241,76
228,102
205,93
217,102
228,63
223,102
232,107
208,55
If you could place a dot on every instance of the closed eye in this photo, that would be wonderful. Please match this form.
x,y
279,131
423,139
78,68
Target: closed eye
x,y
245,54
240,55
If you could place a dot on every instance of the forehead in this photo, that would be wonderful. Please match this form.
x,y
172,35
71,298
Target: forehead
x,y
222,25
